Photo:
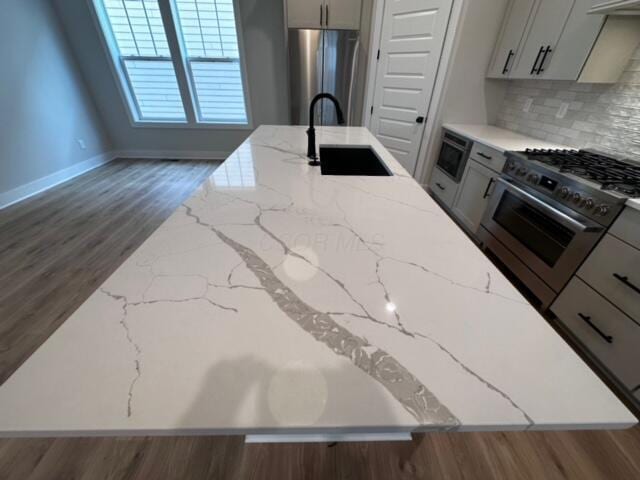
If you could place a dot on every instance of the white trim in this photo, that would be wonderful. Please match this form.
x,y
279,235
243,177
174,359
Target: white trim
x,y
432,129
372,65
329,437
173,154
27,190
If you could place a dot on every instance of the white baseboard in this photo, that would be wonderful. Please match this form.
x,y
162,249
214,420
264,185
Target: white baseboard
x,y
32,188
169,154
330,437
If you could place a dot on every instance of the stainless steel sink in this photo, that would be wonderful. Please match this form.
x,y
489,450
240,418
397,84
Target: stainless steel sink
x,y
351,160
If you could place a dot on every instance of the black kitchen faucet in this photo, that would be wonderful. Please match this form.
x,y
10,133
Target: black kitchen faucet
x,y
311,132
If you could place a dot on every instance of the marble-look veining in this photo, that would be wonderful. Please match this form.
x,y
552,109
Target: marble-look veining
x,y
279,300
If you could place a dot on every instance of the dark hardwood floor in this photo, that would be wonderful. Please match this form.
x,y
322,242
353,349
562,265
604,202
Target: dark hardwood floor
x,y
57,248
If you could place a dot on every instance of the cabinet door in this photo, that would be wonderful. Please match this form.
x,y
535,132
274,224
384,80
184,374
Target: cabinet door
x,y
574,47
540,42
343,14
506,51
306,13
473,194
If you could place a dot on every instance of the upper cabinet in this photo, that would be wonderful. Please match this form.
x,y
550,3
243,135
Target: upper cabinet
x,y
508,46
324,14
547,39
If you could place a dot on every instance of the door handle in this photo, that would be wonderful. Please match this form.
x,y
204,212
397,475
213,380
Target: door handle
x,y
420,120
321,18
506,64
485,156
587,320
544,57
440,186
326,19
625,280
535,64
486,192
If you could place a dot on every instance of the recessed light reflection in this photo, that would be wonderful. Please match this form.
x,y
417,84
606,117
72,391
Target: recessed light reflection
x,y
391,307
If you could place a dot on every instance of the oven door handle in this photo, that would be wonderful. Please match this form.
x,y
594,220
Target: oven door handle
x,y
559,216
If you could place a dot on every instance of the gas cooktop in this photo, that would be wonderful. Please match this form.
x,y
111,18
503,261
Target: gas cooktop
x,y
609,172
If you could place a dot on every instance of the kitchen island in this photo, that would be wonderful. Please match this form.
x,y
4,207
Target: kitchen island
x,y
278,301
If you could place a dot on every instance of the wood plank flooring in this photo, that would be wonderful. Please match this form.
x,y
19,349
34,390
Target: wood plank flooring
x,y
57,248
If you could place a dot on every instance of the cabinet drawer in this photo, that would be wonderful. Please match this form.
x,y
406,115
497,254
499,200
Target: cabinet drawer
x,y
443,186
488,156
621,356
627,227
613,269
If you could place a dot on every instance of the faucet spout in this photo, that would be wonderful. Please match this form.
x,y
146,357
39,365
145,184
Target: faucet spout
x,y
311,131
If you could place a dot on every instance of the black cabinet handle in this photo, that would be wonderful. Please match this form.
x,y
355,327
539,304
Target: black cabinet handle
x,y
506,64
607,338
625,280
486,192
327,15
420,120
321,18
535,64
485,156
440,186
544,57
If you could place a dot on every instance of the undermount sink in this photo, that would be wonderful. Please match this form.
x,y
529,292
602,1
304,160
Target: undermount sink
x,y
351,160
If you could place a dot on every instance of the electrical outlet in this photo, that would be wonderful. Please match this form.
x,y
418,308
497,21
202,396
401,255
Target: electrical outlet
x,y
527,104
81,143
562,111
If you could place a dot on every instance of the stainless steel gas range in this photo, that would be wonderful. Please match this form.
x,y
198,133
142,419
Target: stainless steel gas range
x,y
550,208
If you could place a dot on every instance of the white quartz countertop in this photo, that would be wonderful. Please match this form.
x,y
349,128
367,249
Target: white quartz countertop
x,y
277,300
634,203
499,138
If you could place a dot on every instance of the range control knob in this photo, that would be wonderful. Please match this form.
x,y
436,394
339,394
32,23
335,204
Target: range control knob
x,y
564,192
576,197
521,172
533,178
589,203
511,165
601,210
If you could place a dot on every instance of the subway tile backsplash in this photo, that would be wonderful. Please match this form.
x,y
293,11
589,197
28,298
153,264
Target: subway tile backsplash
x,y
602,117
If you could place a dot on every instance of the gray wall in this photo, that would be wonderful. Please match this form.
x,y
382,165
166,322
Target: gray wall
x,y
263,26
44,105
604,117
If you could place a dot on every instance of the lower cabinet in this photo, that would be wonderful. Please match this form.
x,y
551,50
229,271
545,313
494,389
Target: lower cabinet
x,y
443,186
473,195
606,332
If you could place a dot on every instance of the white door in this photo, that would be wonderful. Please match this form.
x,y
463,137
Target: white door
x,y
410,48
343,14
306,13
508,46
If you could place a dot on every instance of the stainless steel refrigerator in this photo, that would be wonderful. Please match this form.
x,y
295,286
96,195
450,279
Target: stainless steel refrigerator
x,y
322,61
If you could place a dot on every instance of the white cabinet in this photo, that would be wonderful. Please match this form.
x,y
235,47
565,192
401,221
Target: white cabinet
x,y
542,38
343,14
550,39
324,14
508,46
473,194
305,13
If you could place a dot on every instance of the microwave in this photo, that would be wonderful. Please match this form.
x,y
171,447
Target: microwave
x,y
454,154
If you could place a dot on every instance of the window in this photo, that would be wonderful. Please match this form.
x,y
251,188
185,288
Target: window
x,y
209,31
204,85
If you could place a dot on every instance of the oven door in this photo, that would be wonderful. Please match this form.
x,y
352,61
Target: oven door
x,y
547,237
452,160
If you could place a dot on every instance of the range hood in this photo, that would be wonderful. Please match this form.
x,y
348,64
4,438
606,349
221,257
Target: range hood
x,y
616,7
